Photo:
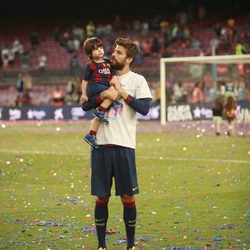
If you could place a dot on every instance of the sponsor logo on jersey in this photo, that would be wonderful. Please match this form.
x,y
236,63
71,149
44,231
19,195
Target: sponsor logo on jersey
x,y
105,71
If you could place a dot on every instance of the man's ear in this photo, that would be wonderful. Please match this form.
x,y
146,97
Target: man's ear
x,y
129,60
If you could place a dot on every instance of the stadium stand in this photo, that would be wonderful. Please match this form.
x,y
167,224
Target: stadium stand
x,y
59,59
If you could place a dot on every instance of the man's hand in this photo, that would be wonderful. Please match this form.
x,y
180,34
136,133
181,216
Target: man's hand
x,y
116,83
111,94
84,98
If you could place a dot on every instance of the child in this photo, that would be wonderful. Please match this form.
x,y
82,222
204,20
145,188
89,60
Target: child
x,y
229,112
97,77
217,113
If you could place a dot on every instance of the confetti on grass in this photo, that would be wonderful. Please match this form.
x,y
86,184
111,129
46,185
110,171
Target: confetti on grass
x,y
197,204
120,241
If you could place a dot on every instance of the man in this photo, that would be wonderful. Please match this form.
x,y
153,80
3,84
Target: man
x,y
115,156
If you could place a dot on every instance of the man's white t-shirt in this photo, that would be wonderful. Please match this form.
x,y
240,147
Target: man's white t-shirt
x,y
122,118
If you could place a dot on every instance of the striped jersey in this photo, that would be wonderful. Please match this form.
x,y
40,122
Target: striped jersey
x,y
98,72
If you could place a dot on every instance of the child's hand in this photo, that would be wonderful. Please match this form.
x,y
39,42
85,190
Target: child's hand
x,y
84,98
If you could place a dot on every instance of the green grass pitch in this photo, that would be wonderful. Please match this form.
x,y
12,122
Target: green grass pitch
x,y
194,190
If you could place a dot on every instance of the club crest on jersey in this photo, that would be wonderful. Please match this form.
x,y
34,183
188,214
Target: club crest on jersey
x,y
115,110
104,71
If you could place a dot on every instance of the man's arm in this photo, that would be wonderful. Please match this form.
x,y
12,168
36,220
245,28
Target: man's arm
x,y
139,105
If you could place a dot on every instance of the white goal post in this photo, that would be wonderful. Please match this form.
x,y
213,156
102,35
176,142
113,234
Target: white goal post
x,y
177,66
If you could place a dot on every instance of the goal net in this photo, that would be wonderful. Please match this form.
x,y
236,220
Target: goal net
x,y
189,70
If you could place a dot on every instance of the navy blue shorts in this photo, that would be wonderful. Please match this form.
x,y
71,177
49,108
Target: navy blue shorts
x,y
94,89
113,161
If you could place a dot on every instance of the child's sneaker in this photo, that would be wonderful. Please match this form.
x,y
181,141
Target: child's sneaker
x,y
90,139
100,248
100,115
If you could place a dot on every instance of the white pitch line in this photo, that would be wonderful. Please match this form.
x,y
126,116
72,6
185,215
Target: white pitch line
x,y
37,152
196,159
139,157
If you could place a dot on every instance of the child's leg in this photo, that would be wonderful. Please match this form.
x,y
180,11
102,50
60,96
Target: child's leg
x,y
91,137
99,113
105,104
95,124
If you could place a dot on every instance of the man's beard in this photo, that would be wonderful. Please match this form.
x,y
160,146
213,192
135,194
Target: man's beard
x,y
117,66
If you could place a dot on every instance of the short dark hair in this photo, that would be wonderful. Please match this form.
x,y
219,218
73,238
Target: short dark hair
x,y
91,44
131,48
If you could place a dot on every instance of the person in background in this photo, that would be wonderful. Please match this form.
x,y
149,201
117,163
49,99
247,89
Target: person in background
x,y
19,89
19,83
58,97
240,49
178,93
42,62
34,40
27,82
229,111
90,29
75,66
197,94
218,113
25,98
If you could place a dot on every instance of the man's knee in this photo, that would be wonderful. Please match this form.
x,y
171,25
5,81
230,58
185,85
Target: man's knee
x,y
128,201
102,201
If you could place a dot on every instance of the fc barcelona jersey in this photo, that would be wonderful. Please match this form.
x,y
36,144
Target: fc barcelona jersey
x,y
98,72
